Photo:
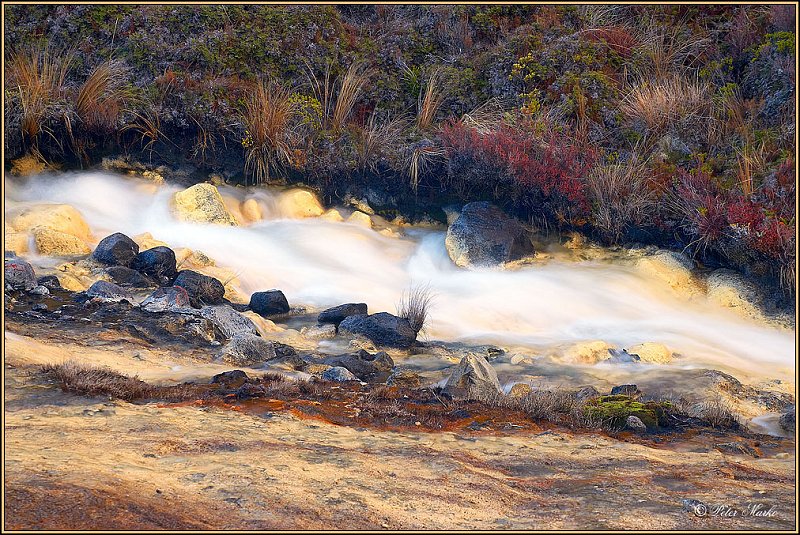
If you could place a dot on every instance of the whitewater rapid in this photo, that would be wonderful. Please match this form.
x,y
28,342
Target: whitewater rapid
x,y
541,308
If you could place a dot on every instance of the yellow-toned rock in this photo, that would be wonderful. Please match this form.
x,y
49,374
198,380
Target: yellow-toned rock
x,y
332,215
50,242
251,210
652,352
673,268
60,217
264,326
202,203
360,218
146,241
298,203
730,289
79,276
588,352
153,176
16,241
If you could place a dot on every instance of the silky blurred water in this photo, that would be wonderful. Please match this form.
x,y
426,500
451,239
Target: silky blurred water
x,y
539,309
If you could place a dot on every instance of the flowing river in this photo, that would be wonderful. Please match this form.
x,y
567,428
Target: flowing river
x,y
539,309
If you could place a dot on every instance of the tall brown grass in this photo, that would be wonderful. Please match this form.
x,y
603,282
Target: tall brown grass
x,y
430,100
267,115
337,105
36,77
376,138
622,195
103,96
674,101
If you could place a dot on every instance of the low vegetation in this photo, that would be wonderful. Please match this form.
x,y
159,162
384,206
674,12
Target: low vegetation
x,y
671,124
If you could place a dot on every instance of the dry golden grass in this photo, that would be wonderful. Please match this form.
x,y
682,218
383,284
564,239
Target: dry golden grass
x,y
376,138
336,111
675,101
36,76
103,96
621,195
93,381
267,116
431,97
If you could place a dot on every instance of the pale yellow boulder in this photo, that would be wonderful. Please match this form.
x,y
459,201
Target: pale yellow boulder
x,y
202,203
299,203
264,326
332,215
675,269
60,217
652,352
79,276
16,241
146,241
51,242
729,289
360,218
590,352
251,211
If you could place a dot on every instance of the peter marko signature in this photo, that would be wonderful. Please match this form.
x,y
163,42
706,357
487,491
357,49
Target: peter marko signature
x,y
755,509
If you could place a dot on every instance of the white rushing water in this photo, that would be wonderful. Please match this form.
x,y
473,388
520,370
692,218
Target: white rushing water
x,y
542,307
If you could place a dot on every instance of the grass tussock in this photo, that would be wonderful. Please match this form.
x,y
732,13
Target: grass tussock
x,y
622,195
676,102
267,116
415,306
89,380
431,98
104,96
36,77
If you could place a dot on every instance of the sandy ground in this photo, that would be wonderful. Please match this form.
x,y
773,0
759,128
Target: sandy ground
x,y
85,463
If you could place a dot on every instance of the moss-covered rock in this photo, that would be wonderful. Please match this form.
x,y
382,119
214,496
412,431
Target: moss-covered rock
x,y
613,411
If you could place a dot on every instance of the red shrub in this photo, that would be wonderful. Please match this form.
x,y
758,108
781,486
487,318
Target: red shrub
x,y
547,171
617,38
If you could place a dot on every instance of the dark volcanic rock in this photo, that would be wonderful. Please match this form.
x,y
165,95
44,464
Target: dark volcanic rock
x,y
245,349
473,377
338,374
168,298
125,276
50,282
107,291
337,314
383,329
231,379
364,365
483,235
19,274
625,390
158,262
269,303
202,289
116,250
787,420
228,322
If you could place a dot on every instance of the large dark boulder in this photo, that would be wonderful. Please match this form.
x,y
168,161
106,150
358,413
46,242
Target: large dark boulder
x,y
247,350
116,250
227,321
108,292
473,377
364,365
483,235
19,274
338,313
382,329
170,298
202,289
125,276
158,263
269,303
